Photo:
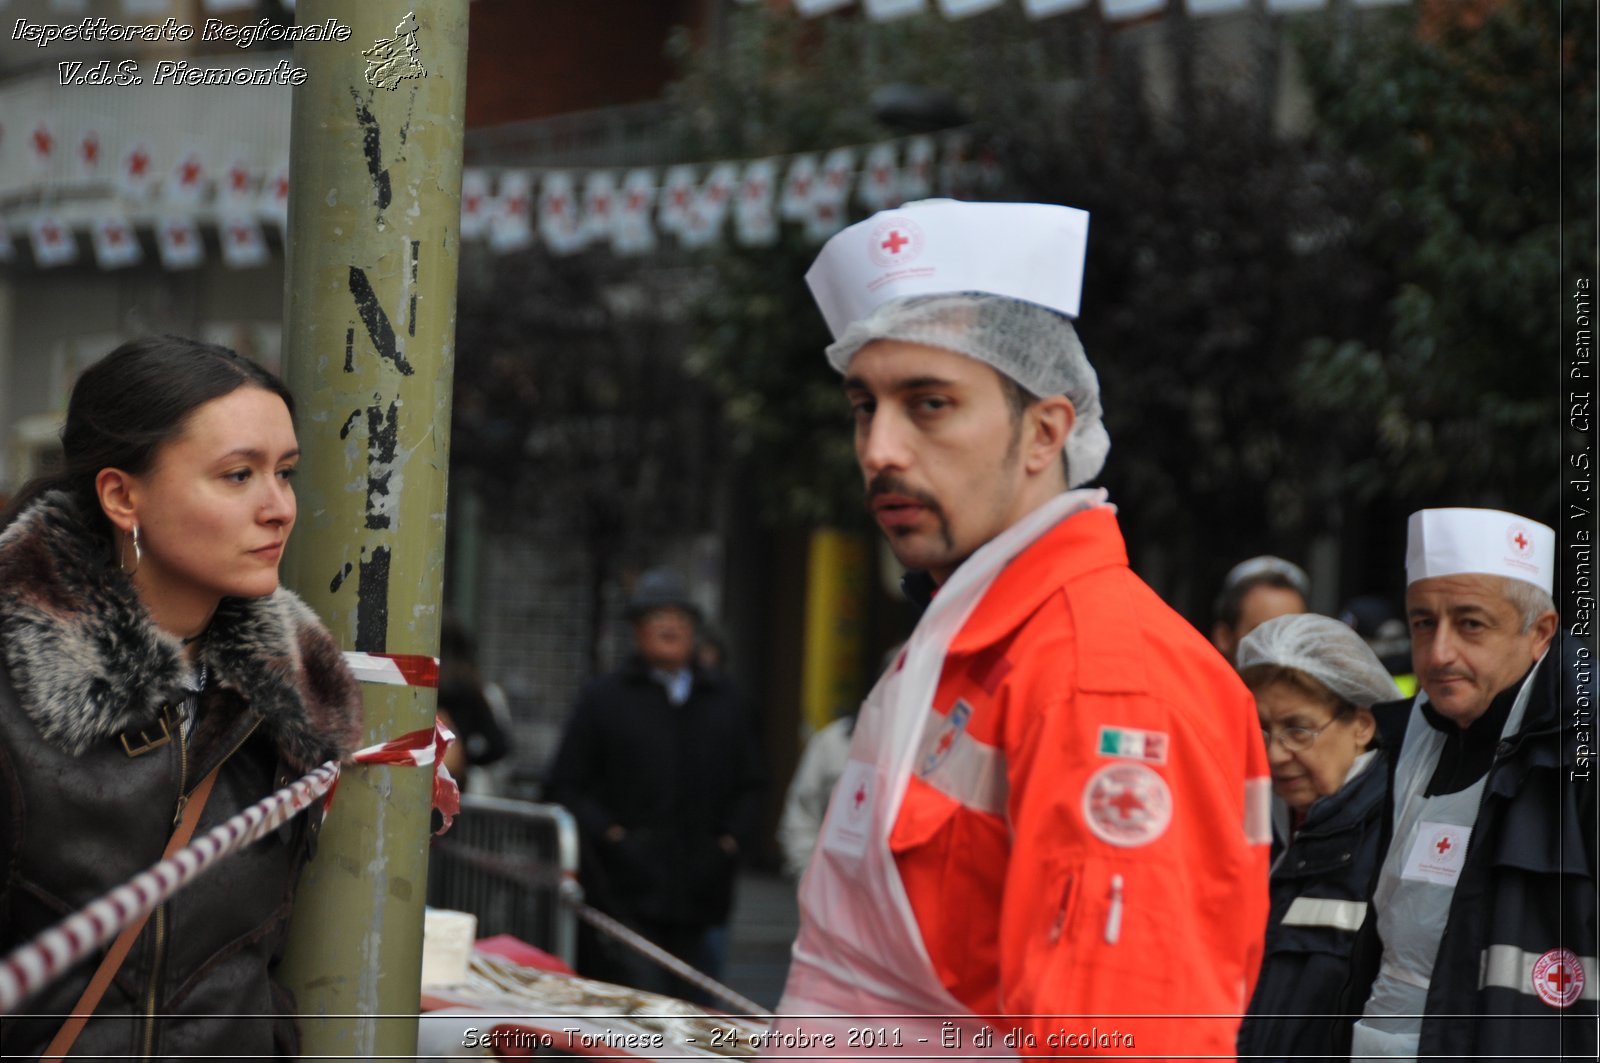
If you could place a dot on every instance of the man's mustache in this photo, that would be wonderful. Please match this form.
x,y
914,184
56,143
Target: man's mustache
x,y
889,484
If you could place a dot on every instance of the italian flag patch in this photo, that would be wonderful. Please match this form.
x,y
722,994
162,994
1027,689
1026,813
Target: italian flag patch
x,y
1129,744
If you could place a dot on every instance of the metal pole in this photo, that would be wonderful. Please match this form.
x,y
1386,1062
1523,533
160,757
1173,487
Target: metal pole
x,y
369,339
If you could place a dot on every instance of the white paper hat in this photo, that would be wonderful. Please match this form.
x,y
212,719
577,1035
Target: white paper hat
x,y
1028,251
1454,542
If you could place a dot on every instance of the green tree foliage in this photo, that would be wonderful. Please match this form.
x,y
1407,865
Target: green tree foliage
x,y
1217,250
1475,124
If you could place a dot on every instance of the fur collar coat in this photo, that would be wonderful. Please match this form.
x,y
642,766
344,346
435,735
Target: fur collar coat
x,y
87,663
91,768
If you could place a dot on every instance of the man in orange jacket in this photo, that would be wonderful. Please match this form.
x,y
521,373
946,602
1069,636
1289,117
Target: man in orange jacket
x,y
1051,837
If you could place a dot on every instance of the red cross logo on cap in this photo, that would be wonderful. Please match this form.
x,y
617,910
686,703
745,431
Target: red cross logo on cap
x,y
895,241
1518,539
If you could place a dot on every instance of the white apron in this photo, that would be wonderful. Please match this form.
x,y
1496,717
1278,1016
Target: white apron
x,y
1415,887
860,971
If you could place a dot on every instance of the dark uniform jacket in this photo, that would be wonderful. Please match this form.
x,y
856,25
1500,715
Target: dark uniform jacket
x,y
675,777
1332,859
1502,985
81,669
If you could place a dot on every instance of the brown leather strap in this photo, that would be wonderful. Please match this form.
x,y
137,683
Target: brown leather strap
x,y
62,1043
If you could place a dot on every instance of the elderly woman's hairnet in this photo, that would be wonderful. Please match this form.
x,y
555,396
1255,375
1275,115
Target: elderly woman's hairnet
x,y
1034,346
1326,649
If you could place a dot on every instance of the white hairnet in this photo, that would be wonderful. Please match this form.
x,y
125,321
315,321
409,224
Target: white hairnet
x,y
1034,346
1327,650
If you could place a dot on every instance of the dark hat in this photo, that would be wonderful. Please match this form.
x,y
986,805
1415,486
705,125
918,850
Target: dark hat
x,y
661,588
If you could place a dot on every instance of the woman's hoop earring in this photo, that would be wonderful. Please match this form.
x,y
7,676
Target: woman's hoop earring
x,y
138,555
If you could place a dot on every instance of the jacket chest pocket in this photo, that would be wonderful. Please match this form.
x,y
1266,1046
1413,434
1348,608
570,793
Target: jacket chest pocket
x,y
952,862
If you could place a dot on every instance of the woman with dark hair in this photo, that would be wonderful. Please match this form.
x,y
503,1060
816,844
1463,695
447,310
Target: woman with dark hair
x,y
151,665
1315,681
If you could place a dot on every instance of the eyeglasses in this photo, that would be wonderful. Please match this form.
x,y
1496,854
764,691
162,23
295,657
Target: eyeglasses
x,y
1295,739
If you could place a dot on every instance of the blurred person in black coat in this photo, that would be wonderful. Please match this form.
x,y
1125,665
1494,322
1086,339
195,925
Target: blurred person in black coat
x,y
659,766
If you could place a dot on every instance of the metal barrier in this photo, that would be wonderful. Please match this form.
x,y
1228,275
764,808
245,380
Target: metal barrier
x,y
513,864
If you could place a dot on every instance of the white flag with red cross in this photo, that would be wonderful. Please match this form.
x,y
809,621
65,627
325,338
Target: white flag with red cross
x,y
755,207
599,205
679,189
511,217
879,185
560,221
136,172
236,188
273,204
178,241
827,217
703,221
42,147
631,230
957,174
474,204
52,240
87,154
838,174
186,182
916,176
244,245
829,204
799,187
115,245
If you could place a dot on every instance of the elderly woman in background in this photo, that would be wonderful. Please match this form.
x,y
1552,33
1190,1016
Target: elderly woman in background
x,y
1315,682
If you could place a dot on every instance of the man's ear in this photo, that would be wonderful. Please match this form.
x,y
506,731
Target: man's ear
x,y
117,492
1544,630
1049,422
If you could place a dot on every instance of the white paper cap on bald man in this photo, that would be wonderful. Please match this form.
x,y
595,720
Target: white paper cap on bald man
x,y
1487,542
996,282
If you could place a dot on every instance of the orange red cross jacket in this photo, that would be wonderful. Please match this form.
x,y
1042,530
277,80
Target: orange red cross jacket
x,y
1084,833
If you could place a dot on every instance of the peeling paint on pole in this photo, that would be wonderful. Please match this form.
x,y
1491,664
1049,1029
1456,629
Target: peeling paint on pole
x,y
369,341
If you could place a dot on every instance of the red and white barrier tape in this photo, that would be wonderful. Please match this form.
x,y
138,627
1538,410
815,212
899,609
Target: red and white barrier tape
x,y
394,669
421,749
39,962
83,933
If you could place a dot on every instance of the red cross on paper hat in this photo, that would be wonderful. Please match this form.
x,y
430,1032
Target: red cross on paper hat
x,y
1031,252
1490,542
